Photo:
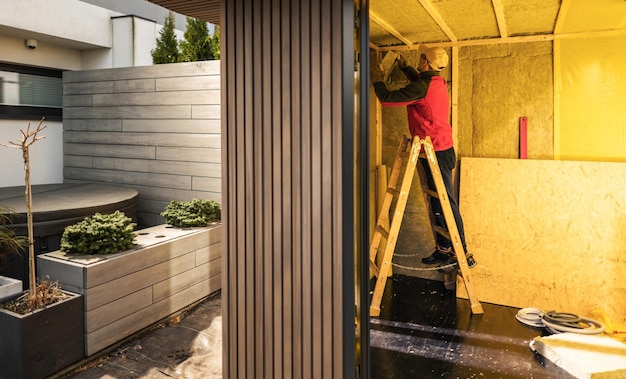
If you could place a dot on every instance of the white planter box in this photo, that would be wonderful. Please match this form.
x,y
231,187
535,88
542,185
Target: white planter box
x,y
9,287
123,293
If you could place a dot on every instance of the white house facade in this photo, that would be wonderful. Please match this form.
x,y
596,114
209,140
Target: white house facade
x,y
39,39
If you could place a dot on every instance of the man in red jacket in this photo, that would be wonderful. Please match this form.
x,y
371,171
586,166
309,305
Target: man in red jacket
x,y
428,108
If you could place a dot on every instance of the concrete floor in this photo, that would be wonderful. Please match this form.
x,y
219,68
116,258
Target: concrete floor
x,y
424,331
188,346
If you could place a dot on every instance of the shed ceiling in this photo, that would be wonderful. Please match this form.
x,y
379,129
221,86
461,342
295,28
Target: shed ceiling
x,y
404,24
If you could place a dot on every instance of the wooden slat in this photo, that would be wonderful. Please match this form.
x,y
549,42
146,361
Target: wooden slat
x,y
280,239
283,131
295,102
207,10
259,164
434,13
305,154
229,289
388,27
499,12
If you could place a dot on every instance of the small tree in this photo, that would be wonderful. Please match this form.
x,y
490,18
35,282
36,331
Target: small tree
x,y
29,137
197,45
167,45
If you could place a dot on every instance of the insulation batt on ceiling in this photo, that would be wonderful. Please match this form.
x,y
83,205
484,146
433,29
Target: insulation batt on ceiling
x,y
409,23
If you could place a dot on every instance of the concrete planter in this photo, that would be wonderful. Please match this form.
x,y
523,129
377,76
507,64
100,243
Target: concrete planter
x,y
43,342
169,269
9,288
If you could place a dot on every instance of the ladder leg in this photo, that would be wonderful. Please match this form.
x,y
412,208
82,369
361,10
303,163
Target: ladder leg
x,y
451,224
381,279
392,238
381,185
386,203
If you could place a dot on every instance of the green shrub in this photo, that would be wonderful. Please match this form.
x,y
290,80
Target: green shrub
x,y
9,243
99,234
196,212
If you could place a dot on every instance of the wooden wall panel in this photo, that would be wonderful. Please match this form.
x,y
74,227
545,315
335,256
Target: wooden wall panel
x,y
289,309
547,234
164,141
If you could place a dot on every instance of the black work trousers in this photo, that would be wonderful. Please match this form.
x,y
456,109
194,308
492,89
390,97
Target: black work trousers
x,y
447,161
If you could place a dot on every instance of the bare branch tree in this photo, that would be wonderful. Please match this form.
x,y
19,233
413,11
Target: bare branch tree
x,y
28,138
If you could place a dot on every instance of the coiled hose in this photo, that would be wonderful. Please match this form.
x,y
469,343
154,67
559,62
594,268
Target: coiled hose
x,y
559,322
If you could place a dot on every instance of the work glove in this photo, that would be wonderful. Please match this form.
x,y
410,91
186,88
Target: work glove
x,y
376,74
402,62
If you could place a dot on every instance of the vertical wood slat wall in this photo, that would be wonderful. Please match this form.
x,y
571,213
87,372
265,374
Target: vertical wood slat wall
x,y
288,311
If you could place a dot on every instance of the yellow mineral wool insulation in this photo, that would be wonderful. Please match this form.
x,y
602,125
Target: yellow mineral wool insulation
x,y
531,16
404,24
406,17
584,356
387,63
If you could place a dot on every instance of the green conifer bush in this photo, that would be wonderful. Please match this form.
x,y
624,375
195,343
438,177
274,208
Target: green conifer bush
x,y
99,234
197,212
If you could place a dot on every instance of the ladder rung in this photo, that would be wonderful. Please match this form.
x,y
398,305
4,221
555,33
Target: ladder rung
x,y
432,193
442,231
374,268
383,232
392,191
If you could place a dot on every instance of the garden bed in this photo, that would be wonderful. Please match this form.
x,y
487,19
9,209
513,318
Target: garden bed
x,y
169,269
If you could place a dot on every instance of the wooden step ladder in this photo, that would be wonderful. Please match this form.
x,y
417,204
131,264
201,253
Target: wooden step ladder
x,y
412,150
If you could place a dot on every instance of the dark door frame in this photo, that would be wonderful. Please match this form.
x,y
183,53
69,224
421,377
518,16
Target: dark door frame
x,y
361,187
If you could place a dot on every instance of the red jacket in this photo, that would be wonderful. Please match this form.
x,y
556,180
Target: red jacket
x,y
427,104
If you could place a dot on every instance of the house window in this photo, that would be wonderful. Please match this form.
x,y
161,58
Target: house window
x,y
30,93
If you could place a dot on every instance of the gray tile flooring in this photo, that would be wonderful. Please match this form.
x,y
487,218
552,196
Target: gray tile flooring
x,y
189,346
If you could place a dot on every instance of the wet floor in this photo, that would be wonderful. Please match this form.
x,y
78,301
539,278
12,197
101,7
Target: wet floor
x,y
425,332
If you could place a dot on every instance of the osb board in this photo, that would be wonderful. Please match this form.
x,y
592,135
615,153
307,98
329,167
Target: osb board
x,y
547,234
